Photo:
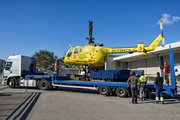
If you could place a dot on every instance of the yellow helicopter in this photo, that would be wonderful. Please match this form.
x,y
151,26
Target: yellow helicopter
x,y
94,55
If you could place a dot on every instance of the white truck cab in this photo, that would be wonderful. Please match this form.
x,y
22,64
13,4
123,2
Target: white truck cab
x,y
15,67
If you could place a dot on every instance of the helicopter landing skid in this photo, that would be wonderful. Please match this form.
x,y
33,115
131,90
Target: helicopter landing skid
x,y
71,65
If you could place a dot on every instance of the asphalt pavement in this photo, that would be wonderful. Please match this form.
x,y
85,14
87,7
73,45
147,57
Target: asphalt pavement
x,y
2,86
80,104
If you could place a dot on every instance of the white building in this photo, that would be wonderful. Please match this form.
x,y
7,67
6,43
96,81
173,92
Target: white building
x,y
149,63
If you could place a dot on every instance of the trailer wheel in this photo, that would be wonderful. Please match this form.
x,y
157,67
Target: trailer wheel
x,y
44,85
104,90
11,83
121,91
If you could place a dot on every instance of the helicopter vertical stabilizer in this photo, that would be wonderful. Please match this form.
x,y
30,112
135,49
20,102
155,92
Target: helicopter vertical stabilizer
x,y
154,44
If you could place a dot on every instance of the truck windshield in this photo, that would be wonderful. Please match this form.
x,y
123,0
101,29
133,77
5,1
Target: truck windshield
x,y
8,65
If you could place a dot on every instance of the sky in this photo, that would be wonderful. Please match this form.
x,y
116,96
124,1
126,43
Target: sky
x,y
27,26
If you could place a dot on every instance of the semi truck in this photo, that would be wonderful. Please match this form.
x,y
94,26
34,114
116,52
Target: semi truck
x,y
15,68
121,89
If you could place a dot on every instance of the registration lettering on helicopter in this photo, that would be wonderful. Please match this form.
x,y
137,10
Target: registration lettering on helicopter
x,y
82,56
120,50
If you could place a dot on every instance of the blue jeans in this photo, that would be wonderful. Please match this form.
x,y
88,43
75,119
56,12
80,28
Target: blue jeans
x,y
167,78
57,71
159,92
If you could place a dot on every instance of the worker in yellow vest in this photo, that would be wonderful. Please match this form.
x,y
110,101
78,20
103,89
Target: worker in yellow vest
x,y
143,80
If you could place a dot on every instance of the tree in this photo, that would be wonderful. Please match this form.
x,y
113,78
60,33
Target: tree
x,y
62,63
45,59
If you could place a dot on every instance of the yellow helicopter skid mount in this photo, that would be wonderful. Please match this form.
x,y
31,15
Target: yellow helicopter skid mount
x,y
93,54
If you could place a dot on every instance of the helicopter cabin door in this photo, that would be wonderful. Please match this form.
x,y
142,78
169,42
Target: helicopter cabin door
x,y
75,55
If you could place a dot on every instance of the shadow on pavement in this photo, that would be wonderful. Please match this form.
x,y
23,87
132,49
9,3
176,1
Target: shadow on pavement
x,y
3,94
77,90
17,105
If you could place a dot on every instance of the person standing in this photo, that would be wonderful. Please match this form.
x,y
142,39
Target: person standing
x,y
56,67
159,88
83,77
143,80
166,68
133,80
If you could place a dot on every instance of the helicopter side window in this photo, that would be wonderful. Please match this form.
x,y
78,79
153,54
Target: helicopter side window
x,y
69,53
80,50
76,51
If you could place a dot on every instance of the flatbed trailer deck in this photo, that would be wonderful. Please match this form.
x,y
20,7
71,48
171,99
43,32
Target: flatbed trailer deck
x,y
122,89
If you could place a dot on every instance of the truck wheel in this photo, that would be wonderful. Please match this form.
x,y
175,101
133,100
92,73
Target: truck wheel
x,y
148,93
121,91
104,90
44,85
11,83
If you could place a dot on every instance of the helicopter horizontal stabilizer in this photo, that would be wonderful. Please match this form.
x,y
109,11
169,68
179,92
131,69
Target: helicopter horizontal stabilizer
x,y
140,47
144,53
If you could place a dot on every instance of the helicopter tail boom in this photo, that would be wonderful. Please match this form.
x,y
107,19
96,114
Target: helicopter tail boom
x,y
139,48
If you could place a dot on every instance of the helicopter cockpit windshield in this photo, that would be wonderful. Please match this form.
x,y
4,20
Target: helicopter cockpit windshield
x,y
70,53
65,53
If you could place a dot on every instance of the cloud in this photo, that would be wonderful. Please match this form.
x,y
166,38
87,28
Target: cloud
x,y
168,19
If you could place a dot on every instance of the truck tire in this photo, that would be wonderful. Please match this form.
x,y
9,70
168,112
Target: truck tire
x,y
121,91
44,84
104,90
148,93
11,83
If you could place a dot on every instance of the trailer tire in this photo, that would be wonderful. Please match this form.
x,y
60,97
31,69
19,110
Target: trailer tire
x,y
104,90
121,92
44,85
11,83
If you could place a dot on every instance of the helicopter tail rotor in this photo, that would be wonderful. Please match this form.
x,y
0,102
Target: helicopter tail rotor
x,y
161,27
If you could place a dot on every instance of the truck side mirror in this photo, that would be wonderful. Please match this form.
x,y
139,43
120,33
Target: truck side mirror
x,y
3,65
